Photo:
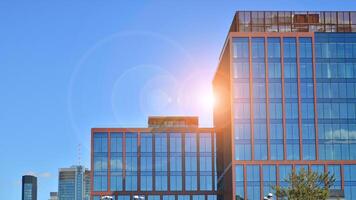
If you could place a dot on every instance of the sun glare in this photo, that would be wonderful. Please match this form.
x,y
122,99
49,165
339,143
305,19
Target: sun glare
x,y
208,99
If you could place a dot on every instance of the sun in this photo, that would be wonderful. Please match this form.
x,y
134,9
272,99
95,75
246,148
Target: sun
x,y
207,99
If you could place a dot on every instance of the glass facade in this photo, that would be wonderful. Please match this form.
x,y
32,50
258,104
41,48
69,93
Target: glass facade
x,y
74,183
336,84
169,164
294,98
27,191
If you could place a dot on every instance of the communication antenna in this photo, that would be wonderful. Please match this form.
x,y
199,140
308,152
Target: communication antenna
x,y
79,153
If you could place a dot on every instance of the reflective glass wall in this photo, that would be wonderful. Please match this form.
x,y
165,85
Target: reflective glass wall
x,y
336,95
294,98
157,165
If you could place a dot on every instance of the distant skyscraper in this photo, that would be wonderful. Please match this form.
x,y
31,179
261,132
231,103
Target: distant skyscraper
x,y
74,183
53,196
29,187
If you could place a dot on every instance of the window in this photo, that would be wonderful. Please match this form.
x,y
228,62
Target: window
x,y
274,48
161,161
259,90
306,90
258,48
335,170
275,90
308,133
241,47
253,181
241,69
290,70
292,134
169,197
269,178
291,110
242,110
242,141
100,161
260,135
239,186
131,162
259,110
176,161
146,161
258,69
291,90
116,174
274,69
198,197
275,110
205,163
191,161
289,47
308,111
305,47
242,90
153,197
276,140
350,179
284,172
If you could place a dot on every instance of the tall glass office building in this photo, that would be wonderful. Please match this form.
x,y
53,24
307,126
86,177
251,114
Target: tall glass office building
x,y
29,187
74,183
286,89
172,159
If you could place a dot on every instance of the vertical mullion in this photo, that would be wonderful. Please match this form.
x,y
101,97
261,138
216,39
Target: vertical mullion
x,y
251,99
198,160
261,181
109,160
283,101
245,180
299,102
153,161
124,160
213,159
169,162
316,128
138,161
342,176
267,102
183,162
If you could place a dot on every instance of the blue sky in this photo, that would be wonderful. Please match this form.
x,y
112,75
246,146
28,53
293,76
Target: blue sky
x,y
68,66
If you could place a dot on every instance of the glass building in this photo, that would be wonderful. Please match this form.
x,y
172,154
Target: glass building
x,y
74,183
29,187
286,85
172,159
53,196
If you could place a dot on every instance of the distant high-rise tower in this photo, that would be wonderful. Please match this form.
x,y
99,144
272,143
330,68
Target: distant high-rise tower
x,y
53,196
29,187
74,183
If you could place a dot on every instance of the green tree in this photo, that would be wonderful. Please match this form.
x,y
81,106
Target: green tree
x,y
306,185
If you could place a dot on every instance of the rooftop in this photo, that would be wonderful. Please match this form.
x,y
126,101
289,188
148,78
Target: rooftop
x,y
172,121
294,21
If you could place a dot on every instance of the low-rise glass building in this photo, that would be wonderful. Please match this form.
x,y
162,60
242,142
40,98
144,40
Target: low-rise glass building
x,y
171,159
